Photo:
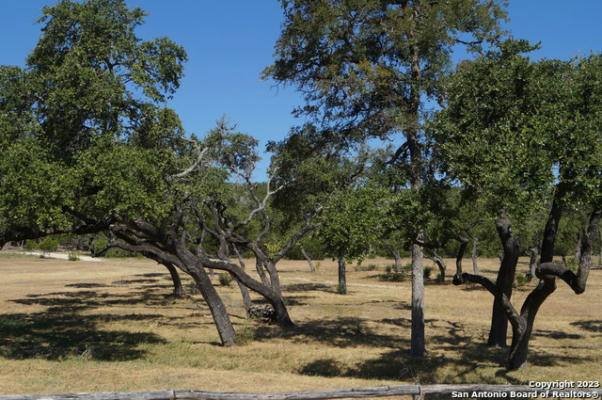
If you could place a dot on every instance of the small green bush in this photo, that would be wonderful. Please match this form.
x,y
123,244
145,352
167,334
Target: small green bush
x,y
225,279
427,272
30,245
572,264
49,243
73,256
520,280
369,267
393,277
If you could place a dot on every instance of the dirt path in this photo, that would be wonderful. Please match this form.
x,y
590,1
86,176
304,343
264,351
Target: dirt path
x,y
60,256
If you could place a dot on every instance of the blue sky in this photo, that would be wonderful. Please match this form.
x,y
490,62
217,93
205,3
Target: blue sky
x,y
229,42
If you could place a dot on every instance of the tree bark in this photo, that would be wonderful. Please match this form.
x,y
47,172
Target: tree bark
x,y
310,262
436,258
342,288
460,255
600,255
261,272
418,347
550,230
215,304
505,279
578,246
178,289
396,256
533,255
473,256
244,292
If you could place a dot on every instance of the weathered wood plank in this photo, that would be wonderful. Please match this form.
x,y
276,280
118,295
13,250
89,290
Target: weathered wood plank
x,y
417,391
154,395
305,395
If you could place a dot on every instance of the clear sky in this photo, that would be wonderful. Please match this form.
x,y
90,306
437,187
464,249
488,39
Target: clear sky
x,y
229,42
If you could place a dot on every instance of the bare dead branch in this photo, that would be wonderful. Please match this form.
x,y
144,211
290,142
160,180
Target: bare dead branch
x,y
197,162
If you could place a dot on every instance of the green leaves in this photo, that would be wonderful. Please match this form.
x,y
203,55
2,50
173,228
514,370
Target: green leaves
x,y
352,221
360,64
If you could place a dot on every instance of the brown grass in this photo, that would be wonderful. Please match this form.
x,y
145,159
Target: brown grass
x,y
112,326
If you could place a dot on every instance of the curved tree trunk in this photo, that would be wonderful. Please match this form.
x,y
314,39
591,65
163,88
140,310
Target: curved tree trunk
x,y
549,272
436,258
310,262
342,288
178,289
473,256
505,279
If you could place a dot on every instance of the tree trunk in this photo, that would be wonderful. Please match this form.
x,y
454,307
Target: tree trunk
x,y
505,279
178,289
549,233
578,247
533,254
396,256
244,292
261,272
473,255
436,258
312,268
600,255
342,288
460,255
418,348
215,304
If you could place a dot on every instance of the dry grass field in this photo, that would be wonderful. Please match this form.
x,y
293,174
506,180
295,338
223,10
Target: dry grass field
x,y
75,326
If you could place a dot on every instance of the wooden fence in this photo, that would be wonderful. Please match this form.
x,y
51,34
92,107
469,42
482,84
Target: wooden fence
x,y
417,391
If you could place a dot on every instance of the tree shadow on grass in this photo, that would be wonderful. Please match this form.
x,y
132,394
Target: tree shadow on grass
x,y
472,358
305,287
589,325
340,332
63,330
61,333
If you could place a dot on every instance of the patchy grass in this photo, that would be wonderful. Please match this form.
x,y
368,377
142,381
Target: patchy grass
x,y
113,326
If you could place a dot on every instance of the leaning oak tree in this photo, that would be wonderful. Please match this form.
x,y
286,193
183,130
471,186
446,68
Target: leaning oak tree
x,y
521,135
84,137
366,68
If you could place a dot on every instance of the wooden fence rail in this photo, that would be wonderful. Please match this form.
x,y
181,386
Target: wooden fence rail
x,y
417,391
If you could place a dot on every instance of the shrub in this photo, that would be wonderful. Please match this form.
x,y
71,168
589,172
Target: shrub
x,y
572,264
427,272
520,280
49,244
225,279
73,256
369,267
393,277
30,245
